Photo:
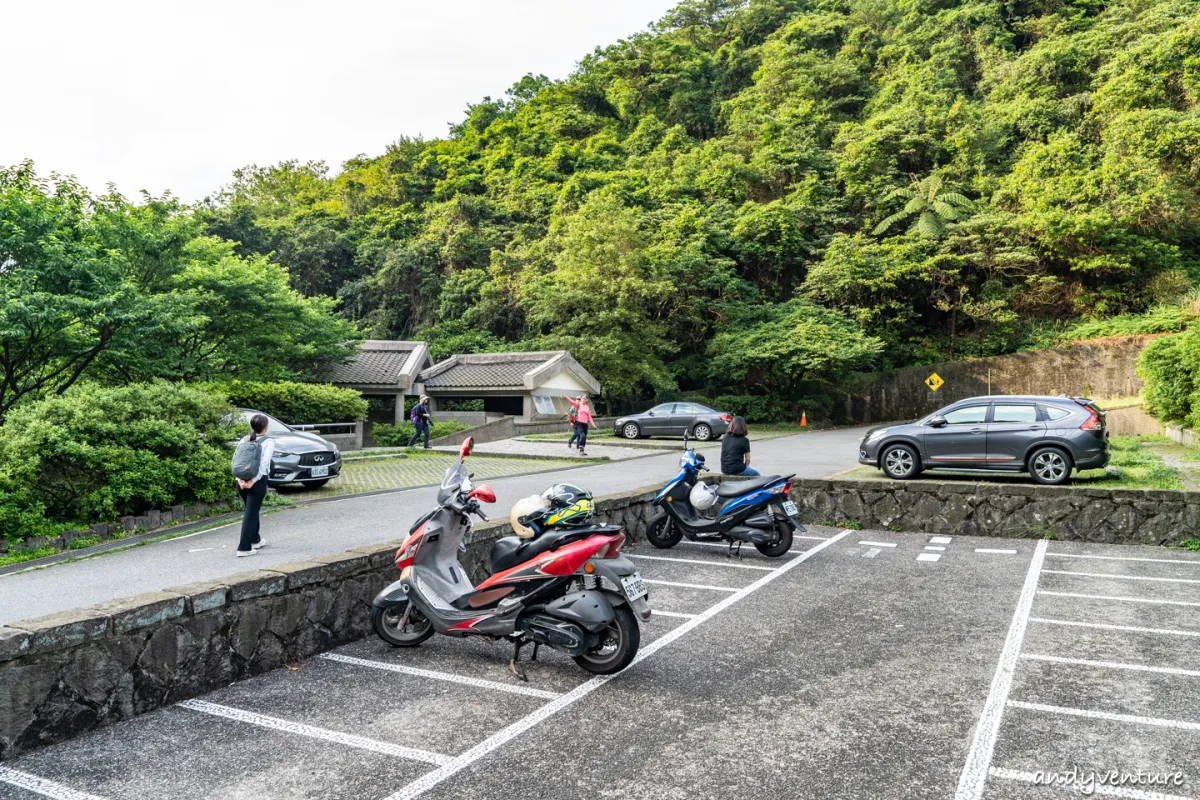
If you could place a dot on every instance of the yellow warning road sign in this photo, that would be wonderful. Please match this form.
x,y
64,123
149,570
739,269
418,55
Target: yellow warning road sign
x,y
934,382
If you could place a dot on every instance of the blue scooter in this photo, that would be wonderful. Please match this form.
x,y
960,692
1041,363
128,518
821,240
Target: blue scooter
x,y
757,511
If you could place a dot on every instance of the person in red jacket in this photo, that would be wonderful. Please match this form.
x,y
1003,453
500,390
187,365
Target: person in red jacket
x,y
583,418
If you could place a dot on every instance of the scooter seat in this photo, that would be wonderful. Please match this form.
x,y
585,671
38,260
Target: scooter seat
x,y
512,550
738,488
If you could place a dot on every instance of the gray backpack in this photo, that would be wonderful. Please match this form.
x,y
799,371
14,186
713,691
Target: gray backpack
x,y
246,459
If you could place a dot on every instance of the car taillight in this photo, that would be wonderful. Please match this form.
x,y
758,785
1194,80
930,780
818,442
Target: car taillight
x,y
726,417
1093,421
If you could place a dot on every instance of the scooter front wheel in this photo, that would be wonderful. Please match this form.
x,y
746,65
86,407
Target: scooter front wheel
x,y
617,646
662,534
393,628
779,546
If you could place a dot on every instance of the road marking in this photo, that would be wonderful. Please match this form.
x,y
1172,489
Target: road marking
x,y
872,552
878,544
32,783
300,729
997,552
1128,558
698,561
928,556
442,676
940,539
726,546
934,547
1103,791
1119,577
656,613
692,585
1107,627
1083,662
1106,715
1126,599
201,549
979,758
503,736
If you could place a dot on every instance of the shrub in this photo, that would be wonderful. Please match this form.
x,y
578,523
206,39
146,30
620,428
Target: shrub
x,y
297,403
1168,366
95,454
761,409
398,435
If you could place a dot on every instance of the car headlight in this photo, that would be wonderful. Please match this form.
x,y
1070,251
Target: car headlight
x,y
283,454
877,435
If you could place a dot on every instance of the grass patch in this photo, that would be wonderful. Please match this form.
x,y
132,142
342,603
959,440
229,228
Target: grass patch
x,y
82,542
27,555
1191,544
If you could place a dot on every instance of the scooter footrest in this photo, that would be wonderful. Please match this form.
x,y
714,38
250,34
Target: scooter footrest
x,y
432,597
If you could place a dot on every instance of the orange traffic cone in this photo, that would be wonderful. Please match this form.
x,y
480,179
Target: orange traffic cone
x,y
803,419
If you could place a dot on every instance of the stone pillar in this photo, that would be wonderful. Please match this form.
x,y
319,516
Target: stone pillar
x,y
528,409
400,416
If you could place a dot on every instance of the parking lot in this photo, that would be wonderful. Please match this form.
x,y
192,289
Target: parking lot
x,y
863,664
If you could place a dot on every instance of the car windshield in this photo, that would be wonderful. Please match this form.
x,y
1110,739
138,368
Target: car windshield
x,y
274,426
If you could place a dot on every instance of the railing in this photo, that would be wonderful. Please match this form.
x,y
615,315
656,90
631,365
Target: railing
x,y
346,435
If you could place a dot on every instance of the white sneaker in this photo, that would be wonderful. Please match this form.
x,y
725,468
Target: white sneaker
x,y
245,553
259,544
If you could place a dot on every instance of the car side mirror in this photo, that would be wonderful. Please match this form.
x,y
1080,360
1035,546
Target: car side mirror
x,y
649,413
938,422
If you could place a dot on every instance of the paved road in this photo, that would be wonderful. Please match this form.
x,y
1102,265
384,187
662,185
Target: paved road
x,y
330,527
864,665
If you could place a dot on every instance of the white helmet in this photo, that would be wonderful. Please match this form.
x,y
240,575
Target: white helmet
x,y
702,496
522,510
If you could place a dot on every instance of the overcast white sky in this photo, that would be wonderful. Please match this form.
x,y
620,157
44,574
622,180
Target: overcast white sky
x,y
160,94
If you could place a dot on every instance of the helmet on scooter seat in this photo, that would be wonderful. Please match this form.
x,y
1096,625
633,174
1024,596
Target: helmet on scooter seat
x,y
528,516
570,505
702,496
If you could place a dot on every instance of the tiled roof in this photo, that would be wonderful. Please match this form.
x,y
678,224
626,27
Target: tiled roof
x,y
502,375
378,363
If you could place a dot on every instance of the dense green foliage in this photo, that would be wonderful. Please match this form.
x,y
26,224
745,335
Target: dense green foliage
x,y
1170,367
100,288
297,403
398,435
94,454
830,183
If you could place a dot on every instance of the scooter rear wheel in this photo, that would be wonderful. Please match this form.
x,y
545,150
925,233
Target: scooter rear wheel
x,y
661,534
618,645
386,622
780,545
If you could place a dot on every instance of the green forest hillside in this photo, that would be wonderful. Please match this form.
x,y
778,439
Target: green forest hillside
x,y
756,197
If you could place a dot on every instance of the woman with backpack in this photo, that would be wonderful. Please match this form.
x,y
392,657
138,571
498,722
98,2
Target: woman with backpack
x,y
420,419
583,418
251,466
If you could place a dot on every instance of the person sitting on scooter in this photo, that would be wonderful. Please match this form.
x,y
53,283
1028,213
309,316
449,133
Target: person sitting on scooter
x,y
735,450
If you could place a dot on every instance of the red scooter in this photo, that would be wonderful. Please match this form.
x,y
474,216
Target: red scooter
x,y
568,588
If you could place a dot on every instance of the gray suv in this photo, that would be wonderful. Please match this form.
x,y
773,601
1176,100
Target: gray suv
x,y
1044,436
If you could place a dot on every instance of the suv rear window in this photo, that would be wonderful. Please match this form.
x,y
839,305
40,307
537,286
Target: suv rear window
x,y
1054,412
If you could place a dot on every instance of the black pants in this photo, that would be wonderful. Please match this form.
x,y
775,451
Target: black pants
x,y
421,427
253,498
581,429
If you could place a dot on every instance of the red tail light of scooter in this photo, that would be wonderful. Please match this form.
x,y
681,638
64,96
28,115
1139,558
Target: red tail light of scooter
x,y
612,549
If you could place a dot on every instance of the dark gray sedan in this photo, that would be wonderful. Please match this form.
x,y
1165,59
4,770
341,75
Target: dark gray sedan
x,y
675,419
300,457
1046,437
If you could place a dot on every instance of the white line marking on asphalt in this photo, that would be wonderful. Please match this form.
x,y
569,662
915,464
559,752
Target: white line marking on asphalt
x,y
692,585
979,758
1107,627
1103,791
656,613
503,736
816,538
997,552
872,552
726,547
928,556
1128,558
1126,599
1083,712
442,676
940,539
1118,577
878,544
201,549
1083,662
32,783
300,729
698,561
937,547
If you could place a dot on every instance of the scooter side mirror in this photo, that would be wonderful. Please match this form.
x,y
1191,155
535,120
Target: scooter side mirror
x,y
467,446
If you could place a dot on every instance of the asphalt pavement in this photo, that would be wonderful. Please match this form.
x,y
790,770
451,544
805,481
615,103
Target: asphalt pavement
x,y
332,526
863,665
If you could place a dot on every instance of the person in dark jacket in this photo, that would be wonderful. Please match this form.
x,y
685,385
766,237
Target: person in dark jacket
x,y
420,420
735,450
254,491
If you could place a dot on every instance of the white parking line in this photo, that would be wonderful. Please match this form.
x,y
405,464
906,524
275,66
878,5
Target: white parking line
x,y
449,677
502,737
656,613
975,771
32,783
997,552
726,547
1194,563
928,556
940,539
700,561
1083,662
937,547
1119,577
692,585
878,544
1131,718
1107,627
1125,599
1103,791
300,729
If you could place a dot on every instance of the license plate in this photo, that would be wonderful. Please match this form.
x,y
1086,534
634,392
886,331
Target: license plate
x,y
790,509
634,586
319,472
